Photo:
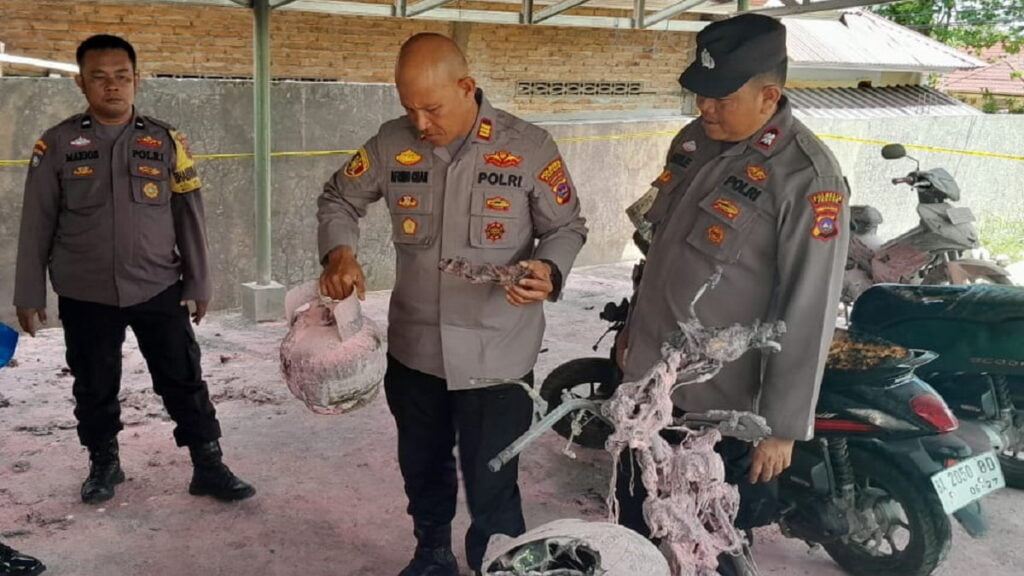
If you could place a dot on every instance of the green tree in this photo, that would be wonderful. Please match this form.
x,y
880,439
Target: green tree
x,y
974,24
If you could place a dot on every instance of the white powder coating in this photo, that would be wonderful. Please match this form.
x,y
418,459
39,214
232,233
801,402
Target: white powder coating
x,y
689,505
332,357
621,551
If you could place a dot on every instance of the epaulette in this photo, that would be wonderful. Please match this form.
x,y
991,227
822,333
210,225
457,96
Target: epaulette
x,y
822,160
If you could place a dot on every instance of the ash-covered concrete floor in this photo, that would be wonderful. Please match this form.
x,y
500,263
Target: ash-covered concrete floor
x,y
329,498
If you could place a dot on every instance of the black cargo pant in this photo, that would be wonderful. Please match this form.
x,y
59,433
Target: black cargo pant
x,y
485,421
94,335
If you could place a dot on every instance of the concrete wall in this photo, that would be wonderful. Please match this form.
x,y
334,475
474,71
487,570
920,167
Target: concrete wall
x,y
988,185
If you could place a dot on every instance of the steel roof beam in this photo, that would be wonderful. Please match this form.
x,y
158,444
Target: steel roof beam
x,y
671,12
556,9
423,6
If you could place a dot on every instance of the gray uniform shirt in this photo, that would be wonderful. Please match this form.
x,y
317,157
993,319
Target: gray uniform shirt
x,y
506,196
116,216
773,213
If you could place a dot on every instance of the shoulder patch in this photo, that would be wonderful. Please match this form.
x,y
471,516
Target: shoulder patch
x,y
184,178
38,151
554,176
827,205
358,164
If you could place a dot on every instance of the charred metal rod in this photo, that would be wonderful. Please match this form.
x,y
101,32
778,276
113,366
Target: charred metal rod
x,y
537,429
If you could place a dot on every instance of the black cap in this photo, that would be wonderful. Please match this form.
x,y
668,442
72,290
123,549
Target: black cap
x,y
730,52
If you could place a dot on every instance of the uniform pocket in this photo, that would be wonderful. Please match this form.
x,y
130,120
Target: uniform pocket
x,y
723,226
498,217
150,183
81,187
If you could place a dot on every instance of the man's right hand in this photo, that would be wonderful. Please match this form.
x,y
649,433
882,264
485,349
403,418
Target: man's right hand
x,y
341,274
25,319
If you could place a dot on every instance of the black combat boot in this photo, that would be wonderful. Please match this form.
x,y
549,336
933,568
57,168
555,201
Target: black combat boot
x,y
210,477
104,472
14,563
433,556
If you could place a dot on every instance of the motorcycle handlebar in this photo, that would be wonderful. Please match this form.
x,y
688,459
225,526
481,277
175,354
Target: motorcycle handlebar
x,y
903,180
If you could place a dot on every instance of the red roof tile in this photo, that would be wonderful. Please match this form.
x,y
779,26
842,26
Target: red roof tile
x,y
1004,76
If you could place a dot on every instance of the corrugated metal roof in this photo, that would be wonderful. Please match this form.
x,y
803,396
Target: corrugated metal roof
x,y
859,39
882,102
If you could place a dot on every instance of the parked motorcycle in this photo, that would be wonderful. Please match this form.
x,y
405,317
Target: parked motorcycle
x,y
978,332
933,252
875,486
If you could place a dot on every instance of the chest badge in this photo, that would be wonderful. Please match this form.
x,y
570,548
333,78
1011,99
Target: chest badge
x,y
150,171
716,235
80,142
756,173
503,159
151,190
498,204
665,177
407,201
408,158
690,146
726,208
409,226
149,142
495,231
83,171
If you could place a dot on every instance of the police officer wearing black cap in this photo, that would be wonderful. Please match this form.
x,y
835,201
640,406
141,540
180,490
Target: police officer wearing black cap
x,y
747,187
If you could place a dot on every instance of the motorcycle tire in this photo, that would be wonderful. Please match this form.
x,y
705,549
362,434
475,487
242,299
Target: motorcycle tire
x,y
588,378
1013,470
926,525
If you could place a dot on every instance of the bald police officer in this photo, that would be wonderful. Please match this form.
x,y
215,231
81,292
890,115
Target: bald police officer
x,y
460,179
747,187
113,211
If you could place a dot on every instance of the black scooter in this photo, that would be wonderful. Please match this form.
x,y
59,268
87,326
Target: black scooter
x,y
978,332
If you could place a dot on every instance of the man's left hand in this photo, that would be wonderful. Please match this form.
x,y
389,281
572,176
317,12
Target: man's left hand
x,y
200,311
771,457
534,288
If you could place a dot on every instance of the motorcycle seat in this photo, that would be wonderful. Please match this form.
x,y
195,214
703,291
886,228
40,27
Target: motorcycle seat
x,y
890,304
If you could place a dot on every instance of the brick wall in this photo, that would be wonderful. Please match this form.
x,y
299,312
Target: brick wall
x,y
217,41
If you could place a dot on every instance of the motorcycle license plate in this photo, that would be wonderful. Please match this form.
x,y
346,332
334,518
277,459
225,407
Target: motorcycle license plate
x,y
967,481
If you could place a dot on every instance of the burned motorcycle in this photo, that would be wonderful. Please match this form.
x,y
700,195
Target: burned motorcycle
x,y
933,252
875,485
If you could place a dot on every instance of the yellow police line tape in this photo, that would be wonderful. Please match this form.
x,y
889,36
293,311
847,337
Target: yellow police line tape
x,y
632,135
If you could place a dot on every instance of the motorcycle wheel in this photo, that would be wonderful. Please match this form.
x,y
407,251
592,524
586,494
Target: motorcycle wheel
x,y
913,533
586,378
1012,464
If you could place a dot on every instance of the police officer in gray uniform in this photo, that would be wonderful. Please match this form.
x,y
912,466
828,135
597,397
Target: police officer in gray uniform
x,y
113,210
460,179
747,187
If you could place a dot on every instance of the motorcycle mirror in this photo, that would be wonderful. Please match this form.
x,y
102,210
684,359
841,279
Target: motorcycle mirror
x,y
893,151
